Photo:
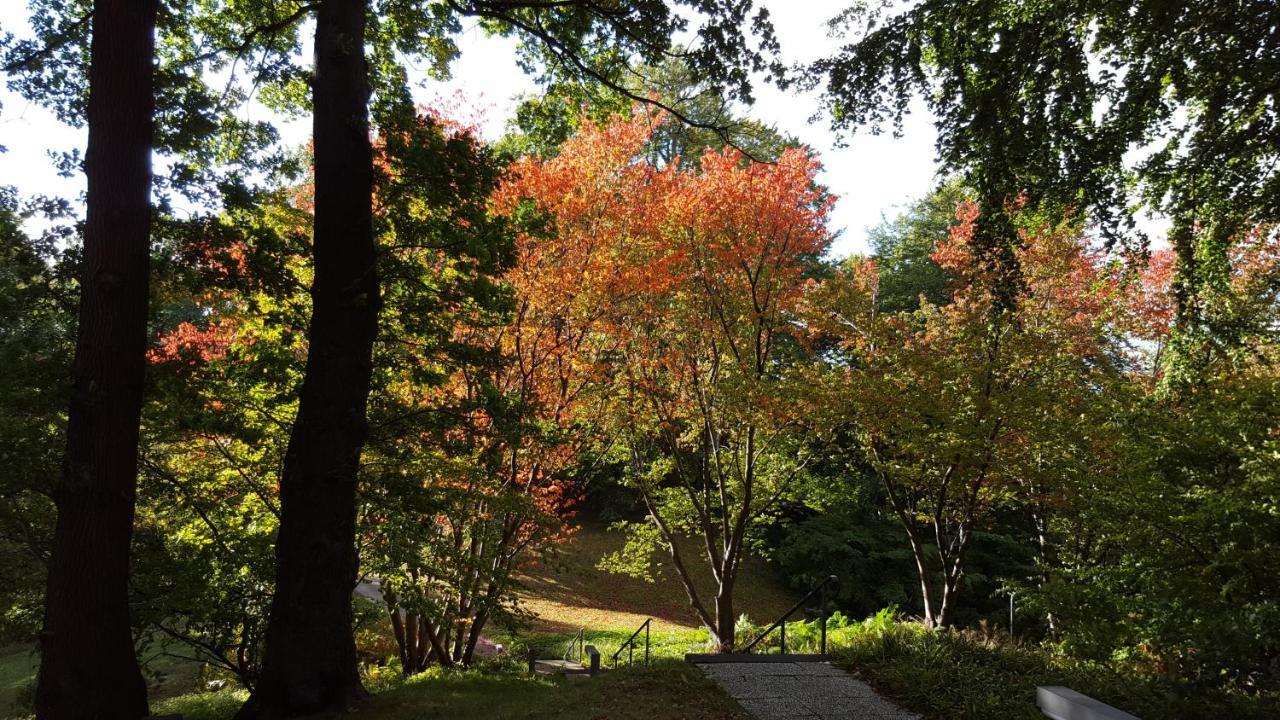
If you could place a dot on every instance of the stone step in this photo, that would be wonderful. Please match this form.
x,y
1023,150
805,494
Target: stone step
x,y
702,659
560,667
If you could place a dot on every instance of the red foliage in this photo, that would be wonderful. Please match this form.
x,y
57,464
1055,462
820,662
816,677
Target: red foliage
x,y
191,345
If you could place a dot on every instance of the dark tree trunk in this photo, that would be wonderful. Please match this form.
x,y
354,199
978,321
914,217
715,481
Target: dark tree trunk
x,y
310,660
473,636
397,629
87,663
423,648
726,621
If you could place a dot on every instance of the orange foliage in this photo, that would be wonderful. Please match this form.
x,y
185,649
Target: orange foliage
x,y
192,345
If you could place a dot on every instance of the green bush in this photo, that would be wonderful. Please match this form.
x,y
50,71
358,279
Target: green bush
x,y
961,676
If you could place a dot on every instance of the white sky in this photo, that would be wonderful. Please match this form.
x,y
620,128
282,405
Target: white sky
x,y
873,175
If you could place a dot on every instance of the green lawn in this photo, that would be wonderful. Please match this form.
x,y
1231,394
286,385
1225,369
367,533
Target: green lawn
x,y
668,690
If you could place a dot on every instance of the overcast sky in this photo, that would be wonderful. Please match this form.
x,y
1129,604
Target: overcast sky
x,y
872,175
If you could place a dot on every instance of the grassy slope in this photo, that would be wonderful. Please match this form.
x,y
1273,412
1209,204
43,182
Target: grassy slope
x,y
565,596
571,593
17,668
166,675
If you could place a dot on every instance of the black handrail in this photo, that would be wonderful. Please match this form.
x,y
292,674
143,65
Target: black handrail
x,y
578,640
631,643
782,621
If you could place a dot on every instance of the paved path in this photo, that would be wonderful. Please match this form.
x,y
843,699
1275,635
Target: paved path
x,y
802,691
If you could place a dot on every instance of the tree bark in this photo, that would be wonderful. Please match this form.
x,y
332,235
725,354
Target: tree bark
x,y
310,659
726,621
87,664
397,629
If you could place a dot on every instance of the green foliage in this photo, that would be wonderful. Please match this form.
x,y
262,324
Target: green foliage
x,y
902,248
1044,103
636,557
706,117
36,330
1177,569
965,676
670,689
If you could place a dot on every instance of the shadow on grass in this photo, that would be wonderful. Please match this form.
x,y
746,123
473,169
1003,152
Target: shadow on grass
x,y
668,690
571,592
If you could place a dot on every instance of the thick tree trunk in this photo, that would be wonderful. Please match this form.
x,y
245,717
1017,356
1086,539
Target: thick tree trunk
x,y
310,659
87,664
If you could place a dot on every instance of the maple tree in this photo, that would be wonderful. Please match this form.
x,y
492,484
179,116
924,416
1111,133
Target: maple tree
x,y
700,267
967,406
486,494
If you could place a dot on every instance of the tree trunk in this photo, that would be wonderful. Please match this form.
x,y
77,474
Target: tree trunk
x,y
922,572
439,637
473,637
87,663
950,589
397,629
1040,518
310,660
412,633
726,621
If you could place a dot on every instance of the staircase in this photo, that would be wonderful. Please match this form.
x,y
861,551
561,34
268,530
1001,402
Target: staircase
x,y
565,665
780,624
588,657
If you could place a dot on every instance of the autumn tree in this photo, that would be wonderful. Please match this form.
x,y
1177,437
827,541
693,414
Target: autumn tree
x,y
311,604
229,354
962,408
703,266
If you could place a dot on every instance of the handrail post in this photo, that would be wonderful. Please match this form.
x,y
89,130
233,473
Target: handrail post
x,y
646,643
822,613
781,623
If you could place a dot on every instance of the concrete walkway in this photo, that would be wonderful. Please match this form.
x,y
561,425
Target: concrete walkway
x,y
802,691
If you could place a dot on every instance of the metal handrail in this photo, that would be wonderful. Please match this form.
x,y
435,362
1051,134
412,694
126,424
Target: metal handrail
x,y
782,621
578,640
631,643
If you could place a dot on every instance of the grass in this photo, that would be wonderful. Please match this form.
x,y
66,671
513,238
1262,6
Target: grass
x,y
219,705
666,690
167,676
17,669
571,593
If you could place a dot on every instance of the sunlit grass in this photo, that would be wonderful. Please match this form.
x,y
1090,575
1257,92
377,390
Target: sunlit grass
x,y
571,593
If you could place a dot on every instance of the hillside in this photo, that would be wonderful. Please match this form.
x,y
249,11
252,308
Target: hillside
x,y
571,593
